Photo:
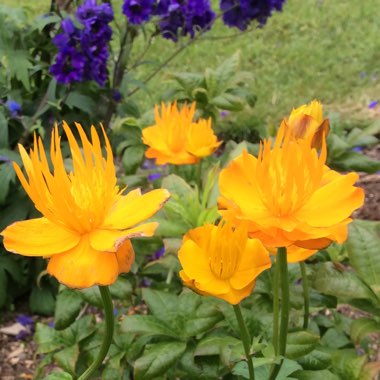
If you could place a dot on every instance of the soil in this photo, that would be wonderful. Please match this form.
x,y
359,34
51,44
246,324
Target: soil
x,y
18,357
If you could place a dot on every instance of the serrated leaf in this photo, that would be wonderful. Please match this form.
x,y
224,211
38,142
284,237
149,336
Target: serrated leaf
x,y
92,296
212,345
146,325
228,102
362,327
157,359
188,81
351,160
7,175
132,158
82,102
47,338
300,343
67,358
162,305
347,364
363,251
121,289
18,64
346,285
335,338
68,305
315,360
226,71
79,330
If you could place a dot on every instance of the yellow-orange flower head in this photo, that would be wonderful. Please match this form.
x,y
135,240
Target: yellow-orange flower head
x,y
307,120
87,221
176,138
288,195
222,261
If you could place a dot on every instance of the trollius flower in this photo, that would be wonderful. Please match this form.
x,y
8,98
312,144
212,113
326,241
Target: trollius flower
x,y
307,120
87,221
222,261
288,195
176,138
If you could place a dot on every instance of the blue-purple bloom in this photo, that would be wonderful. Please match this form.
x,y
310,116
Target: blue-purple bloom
x,y
180,17
154,176
240,13
139,11
83,52
357,149
158,254
25,320
13,107
373,104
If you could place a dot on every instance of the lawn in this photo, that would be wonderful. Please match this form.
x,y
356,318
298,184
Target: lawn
x,y
328,50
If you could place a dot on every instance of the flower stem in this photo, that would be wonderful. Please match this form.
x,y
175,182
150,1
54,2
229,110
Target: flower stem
x,y
109,319
284,285
199,175
246,340
276,306
305,286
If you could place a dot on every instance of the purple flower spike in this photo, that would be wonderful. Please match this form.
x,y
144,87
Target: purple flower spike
x,y
373,104
138,11
25,320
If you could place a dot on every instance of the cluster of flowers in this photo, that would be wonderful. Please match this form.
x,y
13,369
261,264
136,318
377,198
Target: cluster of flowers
x,y
83,51
184,17
285,197
176,17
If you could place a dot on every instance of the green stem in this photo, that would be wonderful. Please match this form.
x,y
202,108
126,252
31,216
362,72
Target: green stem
x,y
276,306
284,285
246,340
305,286
109,318
199,175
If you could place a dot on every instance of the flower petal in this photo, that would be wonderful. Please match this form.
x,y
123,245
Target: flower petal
x,y
125,256
333,203
254,260
38,237
110,240
83,266
133,209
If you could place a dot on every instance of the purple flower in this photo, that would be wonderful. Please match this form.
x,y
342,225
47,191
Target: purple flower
x,y
145,282
357,149
373,104
158,254
83,52
240,13
25,320
223,114
179,17
23,334
116,95
13,107
138,11
154,176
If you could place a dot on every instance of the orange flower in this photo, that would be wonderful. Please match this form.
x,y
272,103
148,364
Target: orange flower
x,y
222,261
288,195
308,120
87,222
176,138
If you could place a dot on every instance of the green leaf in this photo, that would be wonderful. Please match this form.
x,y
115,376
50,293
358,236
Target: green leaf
x,y
68,305
92,296
315,375
176,185
164,306
44,20
335,338
188,81
3,131
351,160
345,285
58,375
7,175
82,102
18,64
347,364
41,301
121,289
146,325
132,158
67,358
226,72
79,330
300,343
363,252
213,345
228,102
157,359
47,339
3,287
315,360
362,327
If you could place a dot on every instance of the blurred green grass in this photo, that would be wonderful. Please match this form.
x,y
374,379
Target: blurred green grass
x,y
323,49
